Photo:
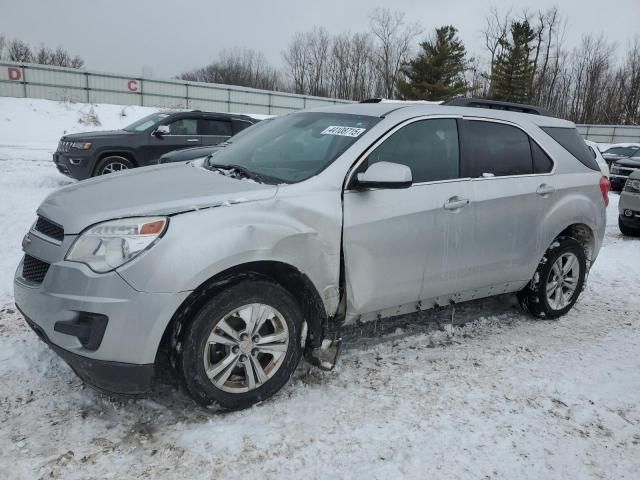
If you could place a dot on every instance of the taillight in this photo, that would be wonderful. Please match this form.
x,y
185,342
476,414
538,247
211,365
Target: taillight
x,y
605,185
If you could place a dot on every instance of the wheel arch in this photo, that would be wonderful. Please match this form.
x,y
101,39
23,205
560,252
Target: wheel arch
x,y
115,153
584,234
286,275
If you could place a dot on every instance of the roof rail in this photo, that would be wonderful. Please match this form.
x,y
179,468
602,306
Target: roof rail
x,y
497,105
371,100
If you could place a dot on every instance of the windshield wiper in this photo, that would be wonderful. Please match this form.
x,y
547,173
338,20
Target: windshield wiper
x,y
244,172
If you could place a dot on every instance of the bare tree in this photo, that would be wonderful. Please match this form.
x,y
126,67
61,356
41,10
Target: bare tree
x,y
244,67
19,51
494,33
296,58
395,39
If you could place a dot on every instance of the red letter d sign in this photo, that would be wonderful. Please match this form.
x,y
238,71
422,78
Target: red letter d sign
x,y
14,73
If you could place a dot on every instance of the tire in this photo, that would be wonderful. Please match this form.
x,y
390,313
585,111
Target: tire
x,y
112,164
536,300
231,363
628,231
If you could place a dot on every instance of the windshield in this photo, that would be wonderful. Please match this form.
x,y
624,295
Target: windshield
x,y
295,147
146,122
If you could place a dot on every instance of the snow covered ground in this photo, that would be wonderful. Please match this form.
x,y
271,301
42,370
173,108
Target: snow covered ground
x,y
504,397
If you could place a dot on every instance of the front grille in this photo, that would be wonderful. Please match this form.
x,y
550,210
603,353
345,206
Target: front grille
x,y
64,146
33,269
49,229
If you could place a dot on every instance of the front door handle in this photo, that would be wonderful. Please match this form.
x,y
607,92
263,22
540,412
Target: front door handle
x,y
545,189
455,203
193,139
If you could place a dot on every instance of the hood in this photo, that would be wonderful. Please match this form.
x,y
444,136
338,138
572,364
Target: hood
x,y
613,156
628,162
159,190
72,137
189,153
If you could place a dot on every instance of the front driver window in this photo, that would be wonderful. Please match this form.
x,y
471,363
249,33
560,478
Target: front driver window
x,y
428,147
184,126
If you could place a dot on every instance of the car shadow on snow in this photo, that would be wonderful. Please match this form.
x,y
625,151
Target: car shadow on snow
x,y
169,394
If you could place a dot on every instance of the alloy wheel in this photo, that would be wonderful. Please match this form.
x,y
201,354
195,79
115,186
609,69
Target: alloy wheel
x,y
563,280
246,348
112,167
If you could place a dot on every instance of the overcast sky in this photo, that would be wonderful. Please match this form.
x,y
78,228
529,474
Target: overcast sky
x,y
170,37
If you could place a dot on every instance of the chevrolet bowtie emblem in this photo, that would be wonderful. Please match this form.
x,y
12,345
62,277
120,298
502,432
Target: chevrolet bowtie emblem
x,y
26,240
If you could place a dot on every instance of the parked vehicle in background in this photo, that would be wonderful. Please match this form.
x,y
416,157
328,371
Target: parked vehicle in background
x,y
200,152
230,268
84,155
593,147
629,206
622,169
620,151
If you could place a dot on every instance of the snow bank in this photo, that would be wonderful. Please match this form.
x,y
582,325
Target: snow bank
x,y
39,124
36,123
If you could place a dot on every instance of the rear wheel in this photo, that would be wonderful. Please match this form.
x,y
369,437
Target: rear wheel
x,y
242,346
558,280
112,164
628,231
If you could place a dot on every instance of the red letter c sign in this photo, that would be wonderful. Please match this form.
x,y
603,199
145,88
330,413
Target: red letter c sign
x,y
132,85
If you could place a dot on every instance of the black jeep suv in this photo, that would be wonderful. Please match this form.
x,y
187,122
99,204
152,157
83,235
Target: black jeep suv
x,y
84,155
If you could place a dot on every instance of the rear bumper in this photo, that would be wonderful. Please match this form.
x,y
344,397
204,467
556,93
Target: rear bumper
x,y
111,377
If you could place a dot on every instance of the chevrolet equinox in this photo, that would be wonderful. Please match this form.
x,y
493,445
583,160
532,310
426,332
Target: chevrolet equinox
x,y
233,266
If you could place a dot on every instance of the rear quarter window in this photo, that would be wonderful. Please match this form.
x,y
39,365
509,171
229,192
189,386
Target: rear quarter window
x,y
573,143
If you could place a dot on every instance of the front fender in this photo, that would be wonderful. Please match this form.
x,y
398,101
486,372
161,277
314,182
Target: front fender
x,y
200,244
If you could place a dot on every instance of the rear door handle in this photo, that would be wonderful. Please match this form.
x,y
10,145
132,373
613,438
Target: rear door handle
x,y
193,139
454,203
545,189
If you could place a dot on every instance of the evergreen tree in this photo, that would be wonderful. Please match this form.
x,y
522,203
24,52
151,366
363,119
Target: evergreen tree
x,y
437,73
513,69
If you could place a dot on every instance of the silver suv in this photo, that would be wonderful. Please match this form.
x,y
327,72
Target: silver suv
x,y
233,266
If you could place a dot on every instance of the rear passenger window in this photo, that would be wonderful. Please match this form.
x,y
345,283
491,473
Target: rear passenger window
x,y
428,147
215,127
572,142
497,149
541,161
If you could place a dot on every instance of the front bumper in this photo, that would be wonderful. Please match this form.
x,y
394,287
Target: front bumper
x,y
120,359
78,165
631,222
111,377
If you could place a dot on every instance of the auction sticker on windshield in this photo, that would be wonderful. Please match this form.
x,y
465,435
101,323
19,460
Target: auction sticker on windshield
x,y
343,131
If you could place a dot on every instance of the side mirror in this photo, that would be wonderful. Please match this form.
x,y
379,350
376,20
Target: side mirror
x,y
161,131
385,175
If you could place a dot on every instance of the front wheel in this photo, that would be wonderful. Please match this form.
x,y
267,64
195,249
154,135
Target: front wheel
x,y
242,346
112,164
558,280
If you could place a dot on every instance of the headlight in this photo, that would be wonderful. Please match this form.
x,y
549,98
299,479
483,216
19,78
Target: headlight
x,y
109,245
632,186
82,145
